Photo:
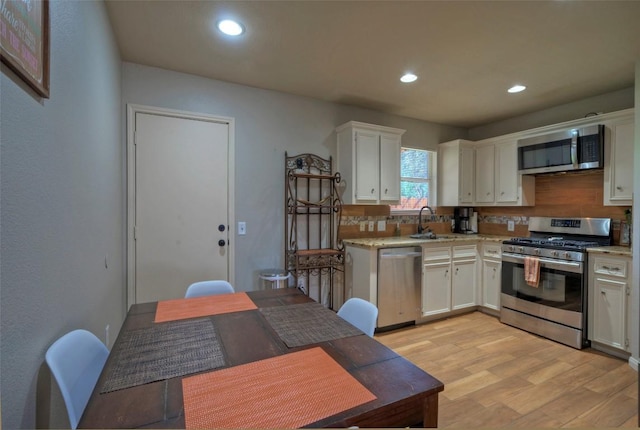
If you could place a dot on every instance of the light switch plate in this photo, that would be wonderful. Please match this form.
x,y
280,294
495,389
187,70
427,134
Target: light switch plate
x,y
371,225
242,228
511,226
382,225
363,225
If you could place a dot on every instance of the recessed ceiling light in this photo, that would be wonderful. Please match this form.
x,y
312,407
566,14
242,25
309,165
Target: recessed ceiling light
x,y
230,27
408,77
517,88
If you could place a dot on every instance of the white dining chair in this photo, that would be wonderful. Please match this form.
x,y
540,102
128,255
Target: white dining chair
x,y
208,288
360,313
76,360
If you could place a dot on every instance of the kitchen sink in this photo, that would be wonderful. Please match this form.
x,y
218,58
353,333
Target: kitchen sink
x,y
424,236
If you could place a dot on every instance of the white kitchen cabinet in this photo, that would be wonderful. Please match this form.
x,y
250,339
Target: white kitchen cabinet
x,y
369,162
449,278
485,173
361,274
482,173
512,189
609,289
618,165
491,272
464,283
456,173
436,288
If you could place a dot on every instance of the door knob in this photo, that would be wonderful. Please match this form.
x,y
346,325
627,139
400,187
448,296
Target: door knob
x,y
222,242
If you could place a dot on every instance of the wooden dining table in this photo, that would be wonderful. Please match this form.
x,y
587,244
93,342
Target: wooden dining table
x,y
393,391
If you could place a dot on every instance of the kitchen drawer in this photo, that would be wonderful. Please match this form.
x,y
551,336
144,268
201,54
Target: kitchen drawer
x,y
431,254
609,267
465,251
492,251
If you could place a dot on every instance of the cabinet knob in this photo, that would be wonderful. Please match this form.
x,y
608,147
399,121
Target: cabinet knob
x,y
385,190
502,193
221,242
488,192
372,190
604,293
619,188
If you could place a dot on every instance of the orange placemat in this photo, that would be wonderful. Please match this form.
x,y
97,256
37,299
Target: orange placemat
x,y
287,391
179,309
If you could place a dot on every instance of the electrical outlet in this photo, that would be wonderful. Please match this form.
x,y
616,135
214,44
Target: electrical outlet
x,y
371,226
242,228
511,225
363,226
382,225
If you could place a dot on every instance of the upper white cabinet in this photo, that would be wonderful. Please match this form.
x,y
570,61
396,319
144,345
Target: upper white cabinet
x,y
482,173
456,173
485,173
512,189
618,164
369,162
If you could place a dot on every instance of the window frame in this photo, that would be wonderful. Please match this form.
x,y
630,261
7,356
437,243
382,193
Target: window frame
x,y
431,180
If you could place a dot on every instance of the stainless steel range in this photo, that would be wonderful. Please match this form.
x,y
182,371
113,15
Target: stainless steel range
x,y
544,277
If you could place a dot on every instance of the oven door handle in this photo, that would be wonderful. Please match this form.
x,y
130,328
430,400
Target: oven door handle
x,y
566,266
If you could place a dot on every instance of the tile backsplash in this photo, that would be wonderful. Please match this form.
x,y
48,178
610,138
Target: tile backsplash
x,y
577,194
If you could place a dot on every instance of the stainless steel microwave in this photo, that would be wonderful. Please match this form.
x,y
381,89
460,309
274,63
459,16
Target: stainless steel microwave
x,y
572,149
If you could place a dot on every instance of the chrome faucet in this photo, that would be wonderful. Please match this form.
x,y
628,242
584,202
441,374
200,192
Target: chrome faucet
x,y
420,228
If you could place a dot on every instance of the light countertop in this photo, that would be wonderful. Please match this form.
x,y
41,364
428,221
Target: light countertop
x,y
612,250
396,242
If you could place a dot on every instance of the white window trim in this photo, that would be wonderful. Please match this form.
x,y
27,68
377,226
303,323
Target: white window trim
x,y
433,193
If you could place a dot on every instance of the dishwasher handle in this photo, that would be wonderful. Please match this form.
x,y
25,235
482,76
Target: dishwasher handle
x,y
398,256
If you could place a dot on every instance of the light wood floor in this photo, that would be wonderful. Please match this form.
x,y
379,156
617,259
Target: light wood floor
x,y
499,376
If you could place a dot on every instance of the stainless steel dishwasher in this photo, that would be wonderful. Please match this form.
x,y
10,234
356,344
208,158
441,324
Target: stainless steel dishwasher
x,y
399,280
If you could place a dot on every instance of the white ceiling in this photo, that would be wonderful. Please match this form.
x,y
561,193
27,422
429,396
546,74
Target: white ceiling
x,y
466,53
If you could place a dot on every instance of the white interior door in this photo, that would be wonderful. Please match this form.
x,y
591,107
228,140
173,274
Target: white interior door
x,y
181,204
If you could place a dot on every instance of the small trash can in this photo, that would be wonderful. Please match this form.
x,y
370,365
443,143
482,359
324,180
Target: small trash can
x,y
274,278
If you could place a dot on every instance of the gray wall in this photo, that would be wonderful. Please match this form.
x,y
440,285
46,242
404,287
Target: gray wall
x,y
62,207
609,102
268,123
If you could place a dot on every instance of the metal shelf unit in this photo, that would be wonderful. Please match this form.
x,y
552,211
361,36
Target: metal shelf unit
x,y
313,253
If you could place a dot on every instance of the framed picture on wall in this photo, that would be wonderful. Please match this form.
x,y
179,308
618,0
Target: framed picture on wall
x,y
24,41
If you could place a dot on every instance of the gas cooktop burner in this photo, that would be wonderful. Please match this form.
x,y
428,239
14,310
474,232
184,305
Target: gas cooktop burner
x,y
551,242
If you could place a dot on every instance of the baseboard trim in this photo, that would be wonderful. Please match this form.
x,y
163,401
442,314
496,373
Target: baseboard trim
x,y
633,362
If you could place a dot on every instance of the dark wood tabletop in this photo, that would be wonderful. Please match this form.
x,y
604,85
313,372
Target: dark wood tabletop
x,y
406,395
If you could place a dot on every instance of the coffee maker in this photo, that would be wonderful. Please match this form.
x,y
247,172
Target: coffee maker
x,y
462,220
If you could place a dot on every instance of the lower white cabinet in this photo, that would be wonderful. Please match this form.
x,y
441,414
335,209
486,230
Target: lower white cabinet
x,y
491,273
609,289
449,278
